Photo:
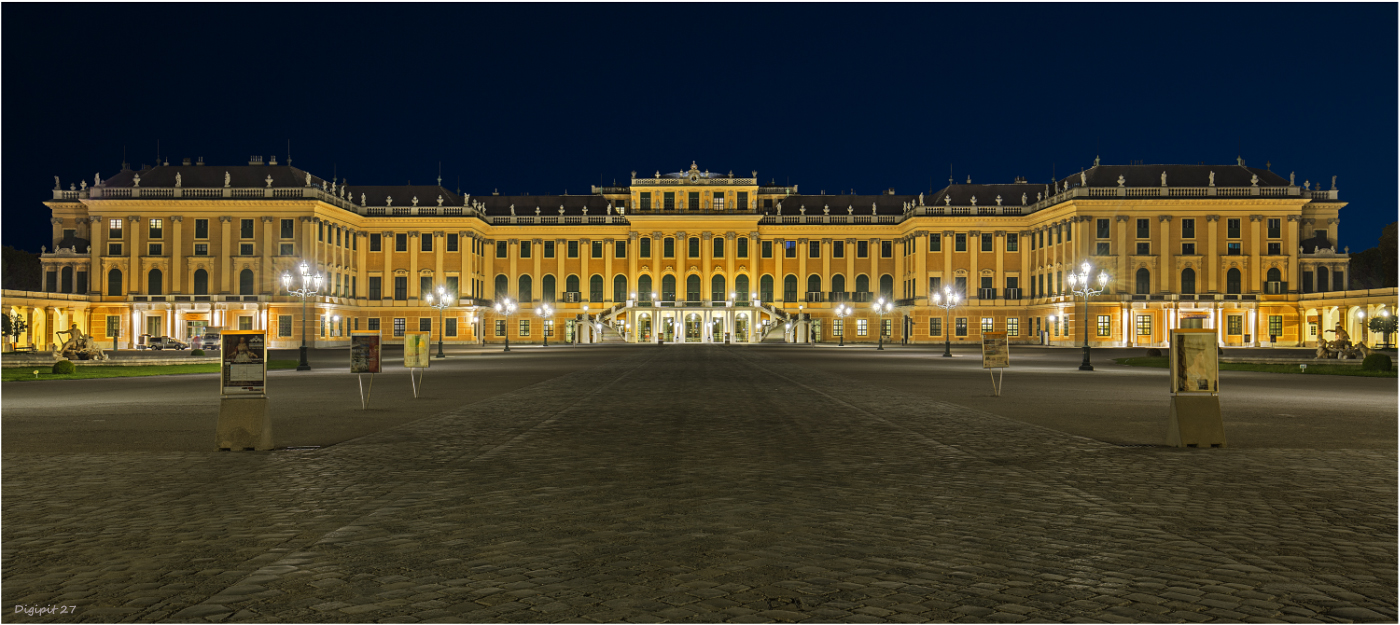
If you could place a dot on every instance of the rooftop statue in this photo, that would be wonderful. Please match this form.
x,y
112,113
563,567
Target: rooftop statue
x,y
389,200
948,199
998,200
1023,199
1334,183
57,186
512,210
177,179
1164,178
84,185
1290,180
1121,180
872,208
1212,179
414,201
136,180
226,179
921,199
362,198
1083,180
96,179
269,181
974,200
308,178
439,199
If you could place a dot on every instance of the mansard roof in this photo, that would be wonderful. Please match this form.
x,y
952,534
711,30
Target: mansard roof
x,y
403,195
499,205
212,176
1177,176
860,204
986,194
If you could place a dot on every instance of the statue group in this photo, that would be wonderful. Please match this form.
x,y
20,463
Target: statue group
x,y
1341,348
77,346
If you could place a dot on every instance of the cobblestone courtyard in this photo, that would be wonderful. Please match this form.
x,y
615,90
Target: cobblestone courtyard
x,y
705,484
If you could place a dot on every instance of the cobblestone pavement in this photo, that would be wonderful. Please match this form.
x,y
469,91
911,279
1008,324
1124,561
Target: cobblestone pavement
x,y
705,484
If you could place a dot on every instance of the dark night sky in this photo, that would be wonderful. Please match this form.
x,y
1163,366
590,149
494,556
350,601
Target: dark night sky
x,y
548,98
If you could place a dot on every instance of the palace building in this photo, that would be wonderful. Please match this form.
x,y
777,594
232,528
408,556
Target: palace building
x,y
698,256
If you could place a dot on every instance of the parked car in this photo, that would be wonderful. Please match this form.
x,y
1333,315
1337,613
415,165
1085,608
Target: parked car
x,y
211,338
165,342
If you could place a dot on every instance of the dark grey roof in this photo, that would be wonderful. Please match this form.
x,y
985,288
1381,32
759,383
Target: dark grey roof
x,y
497,205
986,194
212,176
1177,176
403,195
884,204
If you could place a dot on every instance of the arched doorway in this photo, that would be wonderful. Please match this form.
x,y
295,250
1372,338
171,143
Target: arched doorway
x,y
154,282
245,282
692,324
1143,281
1188,281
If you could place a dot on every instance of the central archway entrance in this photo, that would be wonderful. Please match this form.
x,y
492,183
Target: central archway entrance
x,y
692,328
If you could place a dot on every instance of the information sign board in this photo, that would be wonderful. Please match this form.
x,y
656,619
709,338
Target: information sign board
x,y
416,350
995,352
364,352
1194,362
244,362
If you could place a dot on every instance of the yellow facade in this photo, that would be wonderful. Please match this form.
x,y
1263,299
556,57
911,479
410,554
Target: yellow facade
x,y
169,250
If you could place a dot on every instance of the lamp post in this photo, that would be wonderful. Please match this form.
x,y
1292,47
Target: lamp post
x,y
310,286
882,307
586,322
1080,285
947,300
440,302
544,312
842,311
506,308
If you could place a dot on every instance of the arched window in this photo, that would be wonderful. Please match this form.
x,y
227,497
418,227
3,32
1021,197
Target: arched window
x,y
502,287
838,283
765,288
741,286
571,284
154,282
1144,281
1188,281
692,287
547,288
595,288
620,288
114,282
887,286
527,292
201,282
1274,275
814,283
644,287
66,278
789,288
862,283
245,282
1232,281
668,288
717,293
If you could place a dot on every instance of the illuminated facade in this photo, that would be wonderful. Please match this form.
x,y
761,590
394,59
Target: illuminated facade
x,y
695,256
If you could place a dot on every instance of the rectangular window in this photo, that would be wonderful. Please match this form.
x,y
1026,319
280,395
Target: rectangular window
x,y
668,247
372,324
245,228
287,226
741,247
425,324
838,249
400,287
1232,228
960,242
400,325
1275,228
718,201
452,242
1188,249
743,201
374,242
501,249
987,242
766,249
1101,248
376,290
1101,228
862,249
1144,248
1275,249
1013,242
158,228
573,249
549,249
1144,229
935,242
1059,234
814,249
245,249
935,326
548,327
694,201
153,249
401,242
644,247
886,249
114,229
596,249
935,284
114,326
668,200
619,249
201,249
960,285
525,249
862,327
320,232
1275,326
1188,228
1232,249
450,326
201,228
524,327
452,284
960,326
1013,326
284,325
1104,326
1144,325
1234,325
338,238
988,325
286,249
500,327
114,249
425,285
645,199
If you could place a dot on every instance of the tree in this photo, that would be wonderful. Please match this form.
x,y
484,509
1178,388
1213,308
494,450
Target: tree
x,y
21,270
1384,324
1376,268
12,325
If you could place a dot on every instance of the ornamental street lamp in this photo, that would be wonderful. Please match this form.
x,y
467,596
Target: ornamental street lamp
x,y
440,302
947,300
882,308
842,311
1081,287
544,312
310,286
506,308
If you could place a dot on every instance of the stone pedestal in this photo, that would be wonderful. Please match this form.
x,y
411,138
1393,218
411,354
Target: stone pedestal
x,y
1195,422
244,424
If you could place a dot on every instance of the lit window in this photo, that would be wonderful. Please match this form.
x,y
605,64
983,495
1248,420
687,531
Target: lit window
x,y
1104,325
987,325
1144,325
862,326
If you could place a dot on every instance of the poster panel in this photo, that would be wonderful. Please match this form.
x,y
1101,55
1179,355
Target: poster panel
x,y
1194,362
995,352
244,360
364,352
415,350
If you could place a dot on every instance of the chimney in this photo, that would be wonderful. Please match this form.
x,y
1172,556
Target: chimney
x,y
200,161
186,162
274,160
255,160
